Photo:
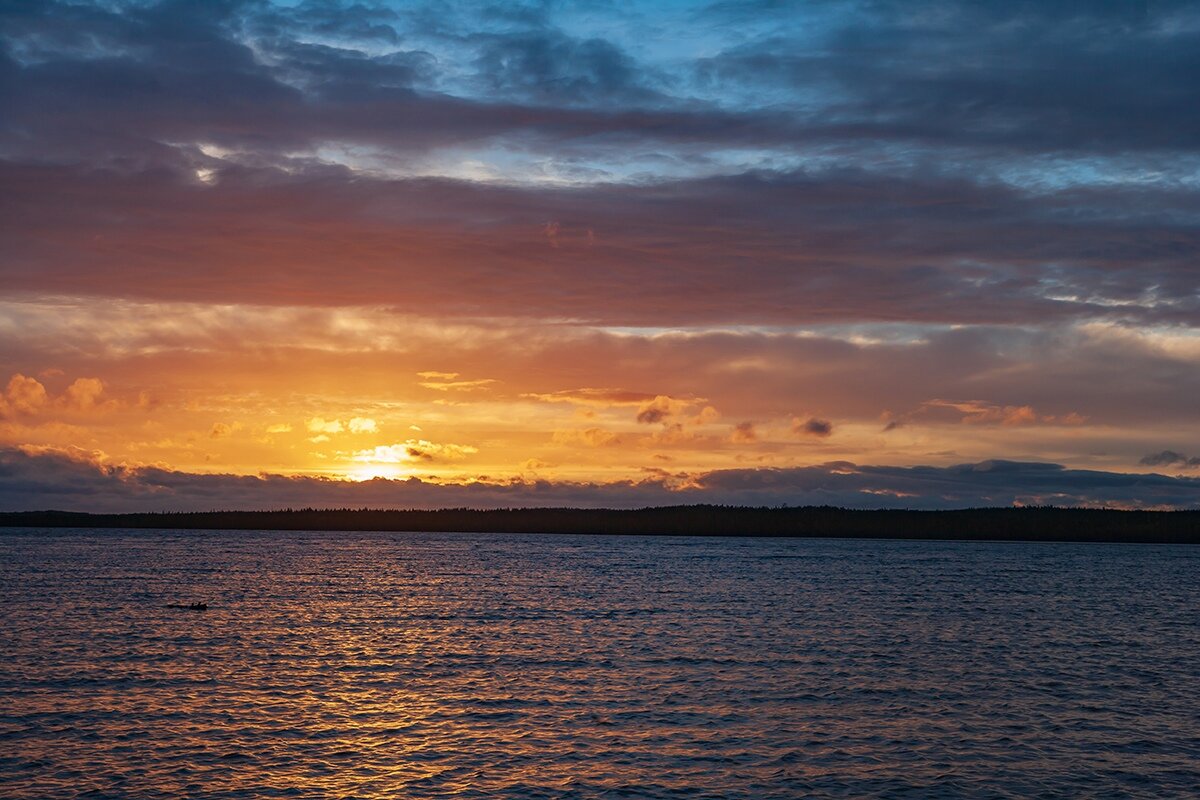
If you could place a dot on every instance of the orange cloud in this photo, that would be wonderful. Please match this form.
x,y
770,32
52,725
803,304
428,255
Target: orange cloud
x,y
78,455
221,430
86,394
413,450
601,398
743,433
25,395
661,408
450,385
320,425
588,437
979,412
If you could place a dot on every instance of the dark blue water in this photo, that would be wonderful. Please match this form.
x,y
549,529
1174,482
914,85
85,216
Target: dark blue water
x,y
471,665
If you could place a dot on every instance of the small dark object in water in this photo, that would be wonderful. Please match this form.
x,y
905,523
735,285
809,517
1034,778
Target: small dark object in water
x,y
189,606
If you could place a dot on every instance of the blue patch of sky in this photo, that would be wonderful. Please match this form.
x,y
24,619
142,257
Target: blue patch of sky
x,y
668,42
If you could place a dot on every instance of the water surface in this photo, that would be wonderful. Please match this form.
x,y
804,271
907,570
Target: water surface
x,y
479,665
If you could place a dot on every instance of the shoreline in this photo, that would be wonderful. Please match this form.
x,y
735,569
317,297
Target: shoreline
x,y
978,524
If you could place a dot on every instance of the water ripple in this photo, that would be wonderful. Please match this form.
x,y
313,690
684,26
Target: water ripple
x,y
468,665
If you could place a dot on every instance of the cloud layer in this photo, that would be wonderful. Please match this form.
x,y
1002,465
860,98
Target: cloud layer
x,y
74,481
568,245
961,163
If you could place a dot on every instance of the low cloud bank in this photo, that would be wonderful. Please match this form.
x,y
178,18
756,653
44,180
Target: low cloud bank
x,y
73,482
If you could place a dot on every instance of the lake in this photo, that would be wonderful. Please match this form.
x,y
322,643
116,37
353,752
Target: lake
x,y
489,665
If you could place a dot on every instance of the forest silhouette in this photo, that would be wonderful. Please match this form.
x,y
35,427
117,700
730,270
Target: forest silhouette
x,y
1004,524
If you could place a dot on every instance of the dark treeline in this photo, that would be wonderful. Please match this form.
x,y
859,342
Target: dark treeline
x,y
1057,524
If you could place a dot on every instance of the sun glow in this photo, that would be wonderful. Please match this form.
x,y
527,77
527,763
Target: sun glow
x,y
369,472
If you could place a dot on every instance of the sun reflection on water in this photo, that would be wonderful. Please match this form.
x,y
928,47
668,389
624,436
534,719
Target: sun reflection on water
x,y
446,665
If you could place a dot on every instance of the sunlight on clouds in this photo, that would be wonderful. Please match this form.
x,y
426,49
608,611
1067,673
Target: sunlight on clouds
x,y
1177,342
320,425
169,384
375,471
456,386
413,450
24,395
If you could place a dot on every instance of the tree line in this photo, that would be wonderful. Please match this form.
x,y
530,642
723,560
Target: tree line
x,y
1004,524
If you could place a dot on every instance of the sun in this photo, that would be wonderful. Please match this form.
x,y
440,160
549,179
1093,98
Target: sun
x,y
369,472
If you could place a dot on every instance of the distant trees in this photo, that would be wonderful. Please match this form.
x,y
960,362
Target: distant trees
x,y
1005,524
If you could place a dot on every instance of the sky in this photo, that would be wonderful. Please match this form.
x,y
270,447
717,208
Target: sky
x,y
421,254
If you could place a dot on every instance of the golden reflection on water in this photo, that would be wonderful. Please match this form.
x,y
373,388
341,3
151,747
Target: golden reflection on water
x,y
475,666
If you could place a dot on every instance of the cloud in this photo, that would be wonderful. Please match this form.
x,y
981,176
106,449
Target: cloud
x,y
978,412
587,437
995,205
457,386
221,430
27,396
599,397
84,394
1168,458
81,481
994,194
812,427
24,395
414,450
662,408
320,425
743,433
362,425
279,427
663,264
878,65
652,409
548,66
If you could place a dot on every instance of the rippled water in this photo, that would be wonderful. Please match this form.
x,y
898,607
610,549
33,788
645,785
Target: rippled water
x,y
447,665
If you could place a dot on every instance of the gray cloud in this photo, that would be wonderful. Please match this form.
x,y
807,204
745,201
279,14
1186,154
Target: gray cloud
x,y
813,427
1168,458
57,481
548,66
934,75
939,251
889,194
1021,77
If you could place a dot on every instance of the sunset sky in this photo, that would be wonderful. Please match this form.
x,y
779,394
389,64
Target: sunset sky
x,y
918,253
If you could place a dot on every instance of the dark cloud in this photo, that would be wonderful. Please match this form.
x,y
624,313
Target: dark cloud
x,y
74,482
988,483
651,416
1093,77
110,114
813,427
547,66
1168,458
89,83
954,75
743,433
773,249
